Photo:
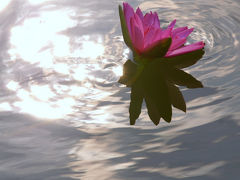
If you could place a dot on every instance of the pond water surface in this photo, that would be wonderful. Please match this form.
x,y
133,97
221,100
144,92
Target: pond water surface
x,y
64,116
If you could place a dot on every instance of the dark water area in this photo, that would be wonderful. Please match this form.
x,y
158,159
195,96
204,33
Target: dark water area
x,y
64,116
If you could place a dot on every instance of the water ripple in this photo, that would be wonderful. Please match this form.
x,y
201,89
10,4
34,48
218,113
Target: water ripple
x,y
60,62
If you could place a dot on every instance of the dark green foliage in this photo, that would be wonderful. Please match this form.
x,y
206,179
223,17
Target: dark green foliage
x,y
136,102
156,92
156,84
129,70
181,78
176,97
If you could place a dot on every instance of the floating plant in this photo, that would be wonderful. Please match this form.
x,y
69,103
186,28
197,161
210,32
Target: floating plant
x,y
155,72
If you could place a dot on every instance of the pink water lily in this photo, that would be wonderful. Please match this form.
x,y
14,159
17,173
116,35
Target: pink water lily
x,y
155,72
145,33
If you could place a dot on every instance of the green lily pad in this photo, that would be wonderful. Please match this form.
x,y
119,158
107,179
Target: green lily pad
x,y
176,97
136,102
181,78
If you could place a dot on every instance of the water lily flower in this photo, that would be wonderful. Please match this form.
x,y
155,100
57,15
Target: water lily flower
x,y
159,56
143,34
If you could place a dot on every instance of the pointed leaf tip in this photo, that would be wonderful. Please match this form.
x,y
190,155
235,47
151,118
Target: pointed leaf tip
x,y
181,78
136,102
176,97
132,121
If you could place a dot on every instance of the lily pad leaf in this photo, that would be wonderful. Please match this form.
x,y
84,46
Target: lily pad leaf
x,y
152,108
129,70
156,93
176,97
136,102
181,78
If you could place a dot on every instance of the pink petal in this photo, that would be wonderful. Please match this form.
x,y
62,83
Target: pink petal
x,y
154,36
137,35
185,33
162,34
139,23
176,43
146,22
166,33
139,13
128,13
156,22
172,24
157,35
186,49
148,19
178,39
199,43
148,38
177,30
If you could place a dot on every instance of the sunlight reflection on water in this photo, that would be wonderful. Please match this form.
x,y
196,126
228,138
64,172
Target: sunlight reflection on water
x,y
4,4
37,2
62,60
40,41
73,65
88,48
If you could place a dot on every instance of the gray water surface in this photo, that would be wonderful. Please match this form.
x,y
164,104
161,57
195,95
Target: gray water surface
x,y
64,116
